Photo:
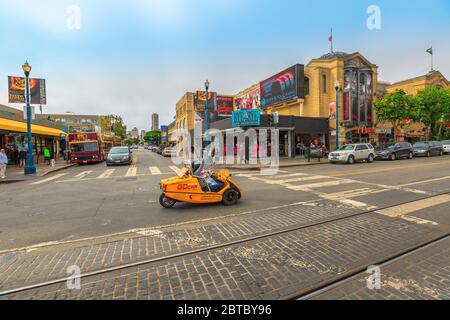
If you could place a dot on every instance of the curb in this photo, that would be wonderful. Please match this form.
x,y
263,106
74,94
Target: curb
x,y
57,169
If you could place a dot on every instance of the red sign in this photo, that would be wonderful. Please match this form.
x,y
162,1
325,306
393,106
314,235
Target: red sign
x,y
224,106
365,130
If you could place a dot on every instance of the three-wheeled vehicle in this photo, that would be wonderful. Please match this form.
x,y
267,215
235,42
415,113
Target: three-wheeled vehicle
x,y
199,187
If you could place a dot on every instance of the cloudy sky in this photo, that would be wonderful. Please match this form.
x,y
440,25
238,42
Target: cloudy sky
x,y
137,57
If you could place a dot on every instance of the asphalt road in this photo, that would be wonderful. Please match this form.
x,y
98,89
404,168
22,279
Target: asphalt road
x,y
95,200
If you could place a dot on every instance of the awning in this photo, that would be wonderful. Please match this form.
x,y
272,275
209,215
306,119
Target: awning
x,y
18,126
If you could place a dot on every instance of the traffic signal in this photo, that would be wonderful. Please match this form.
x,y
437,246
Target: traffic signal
x,y
269,120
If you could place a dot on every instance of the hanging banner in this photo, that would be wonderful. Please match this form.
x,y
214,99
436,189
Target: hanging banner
x,y
16,90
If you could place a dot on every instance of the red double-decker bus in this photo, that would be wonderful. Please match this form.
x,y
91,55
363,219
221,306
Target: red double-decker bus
x,y
88,145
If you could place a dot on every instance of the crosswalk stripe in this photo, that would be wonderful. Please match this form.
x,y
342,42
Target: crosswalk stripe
x,y
268,181
155,171
132,172
308,187
49,179
108,173
83,174
175,169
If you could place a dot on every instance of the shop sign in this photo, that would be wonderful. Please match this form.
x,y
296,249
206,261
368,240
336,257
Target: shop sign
x,y
383,131
246,118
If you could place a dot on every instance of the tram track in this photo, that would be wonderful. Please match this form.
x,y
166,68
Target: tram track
x,y
310,292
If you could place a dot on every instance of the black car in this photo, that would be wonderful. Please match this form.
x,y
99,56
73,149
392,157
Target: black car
x,y
119,156
428,149
395,151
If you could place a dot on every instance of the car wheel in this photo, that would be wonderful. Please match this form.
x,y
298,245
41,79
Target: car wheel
x,y
441,153
230,197
428,154
411,155
166,202
332,162
393,157
351,160
371,158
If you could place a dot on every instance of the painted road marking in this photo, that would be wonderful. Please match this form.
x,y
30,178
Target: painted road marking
x,y
283,182
308,187
348,194
49,179
175,169
357,204
132,172
155,171
83,174
385,169
108,173
403,211
423,182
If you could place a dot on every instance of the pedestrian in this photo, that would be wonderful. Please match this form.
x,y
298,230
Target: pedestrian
x,y
3,163
47,156
22,157
15,156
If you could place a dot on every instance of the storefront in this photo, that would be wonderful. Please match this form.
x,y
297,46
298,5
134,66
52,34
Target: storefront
x,y
13,137
293,131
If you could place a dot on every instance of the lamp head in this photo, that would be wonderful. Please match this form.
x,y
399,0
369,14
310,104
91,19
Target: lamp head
x,y
207,84
26,68
336,84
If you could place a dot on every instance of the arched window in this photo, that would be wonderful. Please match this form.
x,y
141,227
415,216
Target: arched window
x,y
324,83
306,86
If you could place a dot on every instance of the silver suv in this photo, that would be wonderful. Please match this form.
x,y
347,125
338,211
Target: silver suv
x,y
352,153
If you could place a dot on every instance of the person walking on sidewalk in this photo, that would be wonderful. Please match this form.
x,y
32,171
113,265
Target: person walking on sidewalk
x,y
22,157
47,156
3,163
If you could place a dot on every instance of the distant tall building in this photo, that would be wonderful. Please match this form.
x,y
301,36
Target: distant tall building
x,y
155,121
135,133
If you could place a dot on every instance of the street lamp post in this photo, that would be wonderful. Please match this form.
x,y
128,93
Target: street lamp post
x,y
29,166
336,86
206,106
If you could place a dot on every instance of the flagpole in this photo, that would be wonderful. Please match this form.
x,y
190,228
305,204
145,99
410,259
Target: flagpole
x,y
332,40
432,64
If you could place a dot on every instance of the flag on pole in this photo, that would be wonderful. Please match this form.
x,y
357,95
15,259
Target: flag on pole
x,y
430,51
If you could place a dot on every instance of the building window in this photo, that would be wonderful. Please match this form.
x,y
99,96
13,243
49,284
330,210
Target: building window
x,y
324,83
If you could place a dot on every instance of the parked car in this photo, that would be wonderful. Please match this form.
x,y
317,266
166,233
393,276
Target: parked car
x,y
428,149
169,152
395,151
119,156
352,153
446,146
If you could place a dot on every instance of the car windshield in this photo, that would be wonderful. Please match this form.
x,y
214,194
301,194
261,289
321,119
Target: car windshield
x,y
348,147
118,150
421,145
385,147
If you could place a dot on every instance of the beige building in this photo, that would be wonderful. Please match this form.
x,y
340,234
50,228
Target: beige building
x,y
412,131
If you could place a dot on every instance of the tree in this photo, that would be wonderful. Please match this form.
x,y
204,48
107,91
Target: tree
x,y
153,136
432,108
395,108
114,124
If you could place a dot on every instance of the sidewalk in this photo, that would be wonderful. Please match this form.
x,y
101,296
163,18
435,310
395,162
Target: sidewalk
x,y
16,174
